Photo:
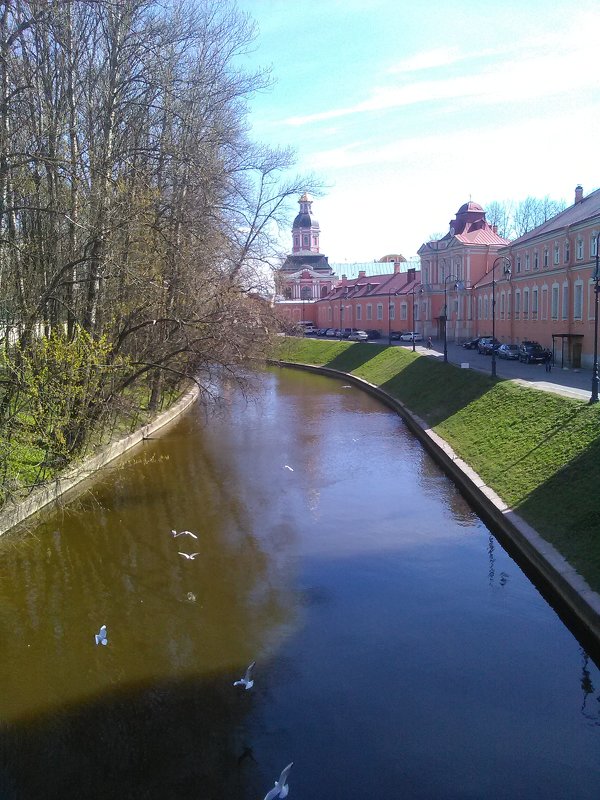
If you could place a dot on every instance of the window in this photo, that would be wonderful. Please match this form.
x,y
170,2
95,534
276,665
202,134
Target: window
x,y
593,245
518,304
416,311
567,251
403,311
526,262
508,304
305,240
296,241
486,303
392,311
379,310
479,301
287,292
369,311
579,250
545,256
536,260
556,253
358,312
502,305
518,263
525,303
565,301
458,270
555,301
534,304
426,272
544,302
578,301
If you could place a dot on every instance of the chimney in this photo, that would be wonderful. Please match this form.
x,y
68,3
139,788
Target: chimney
x,y
396,267
362,273
495,228
578,193
411,274
344,281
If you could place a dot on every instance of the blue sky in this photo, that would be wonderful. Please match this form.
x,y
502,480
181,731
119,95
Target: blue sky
x,y
406,110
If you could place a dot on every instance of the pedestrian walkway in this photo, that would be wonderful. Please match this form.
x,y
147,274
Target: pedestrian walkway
x,y
574,383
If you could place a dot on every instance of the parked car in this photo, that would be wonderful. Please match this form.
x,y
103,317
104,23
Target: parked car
x,y
486,344
358,336
532,353
332,332
372,334
509,351
322,332
347,331
395,336
411,336
471,344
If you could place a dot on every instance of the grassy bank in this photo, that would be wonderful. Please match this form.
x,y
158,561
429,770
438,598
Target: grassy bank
x,y
540,452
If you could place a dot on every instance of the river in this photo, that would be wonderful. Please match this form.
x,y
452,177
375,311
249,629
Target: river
x,y
400,652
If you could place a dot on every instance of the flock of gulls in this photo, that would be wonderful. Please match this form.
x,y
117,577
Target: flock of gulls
x,y
281,787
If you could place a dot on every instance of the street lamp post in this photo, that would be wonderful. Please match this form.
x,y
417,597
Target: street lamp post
x,y
413,314
390,315
446,279
342,297
507,273
595,378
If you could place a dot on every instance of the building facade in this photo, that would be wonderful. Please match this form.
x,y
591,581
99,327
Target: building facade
x,y
305,275
550,297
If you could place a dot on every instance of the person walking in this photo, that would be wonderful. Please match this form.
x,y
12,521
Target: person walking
x,y
548,361
429,343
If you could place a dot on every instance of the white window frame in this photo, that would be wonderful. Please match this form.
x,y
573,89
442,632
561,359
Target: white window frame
x,y
369,311
565,301
380,311
534,303
517,304
544,302
525,303
556,253
403,311
555,301
527,262
578,300
579,249
392,311
358,312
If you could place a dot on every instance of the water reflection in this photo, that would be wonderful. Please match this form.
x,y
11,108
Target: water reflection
x,y
393,655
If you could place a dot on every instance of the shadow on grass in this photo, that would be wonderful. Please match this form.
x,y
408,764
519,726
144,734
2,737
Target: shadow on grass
x,y
434,390
354,357
565,510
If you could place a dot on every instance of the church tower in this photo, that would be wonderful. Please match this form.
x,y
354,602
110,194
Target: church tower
x,y
305,230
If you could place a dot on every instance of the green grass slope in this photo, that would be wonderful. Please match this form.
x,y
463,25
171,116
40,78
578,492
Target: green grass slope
x,y
540,452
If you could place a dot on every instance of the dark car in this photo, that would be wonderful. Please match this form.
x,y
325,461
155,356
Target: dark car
x,y
509,351
486,344
471,344
372,334
395,336
532,353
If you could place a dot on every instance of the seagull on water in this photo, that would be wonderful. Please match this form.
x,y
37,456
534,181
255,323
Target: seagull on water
x,y
247,680
281,788
183,533
189,556
100,637
288,467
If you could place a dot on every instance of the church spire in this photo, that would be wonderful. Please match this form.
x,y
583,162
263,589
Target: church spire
x,y
305,230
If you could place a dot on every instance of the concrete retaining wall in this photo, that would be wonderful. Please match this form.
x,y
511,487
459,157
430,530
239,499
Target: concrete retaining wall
x,y
52,492
559,581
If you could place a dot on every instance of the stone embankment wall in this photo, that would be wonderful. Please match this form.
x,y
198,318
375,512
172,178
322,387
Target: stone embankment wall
x,y
559,581
52,492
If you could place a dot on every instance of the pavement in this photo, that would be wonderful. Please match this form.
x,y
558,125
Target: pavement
x,y
576,383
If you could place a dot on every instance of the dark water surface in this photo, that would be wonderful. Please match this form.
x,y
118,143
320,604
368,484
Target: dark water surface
x,y
400,651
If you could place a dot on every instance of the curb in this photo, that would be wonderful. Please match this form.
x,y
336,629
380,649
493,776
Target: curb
x,y
560,583
52,492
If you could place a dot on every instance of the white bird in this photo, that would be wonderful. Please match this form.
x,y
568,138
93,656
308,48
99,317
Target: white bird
x,y
190,556
287,467
346,387
100,637
174,534
247,680
281,788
